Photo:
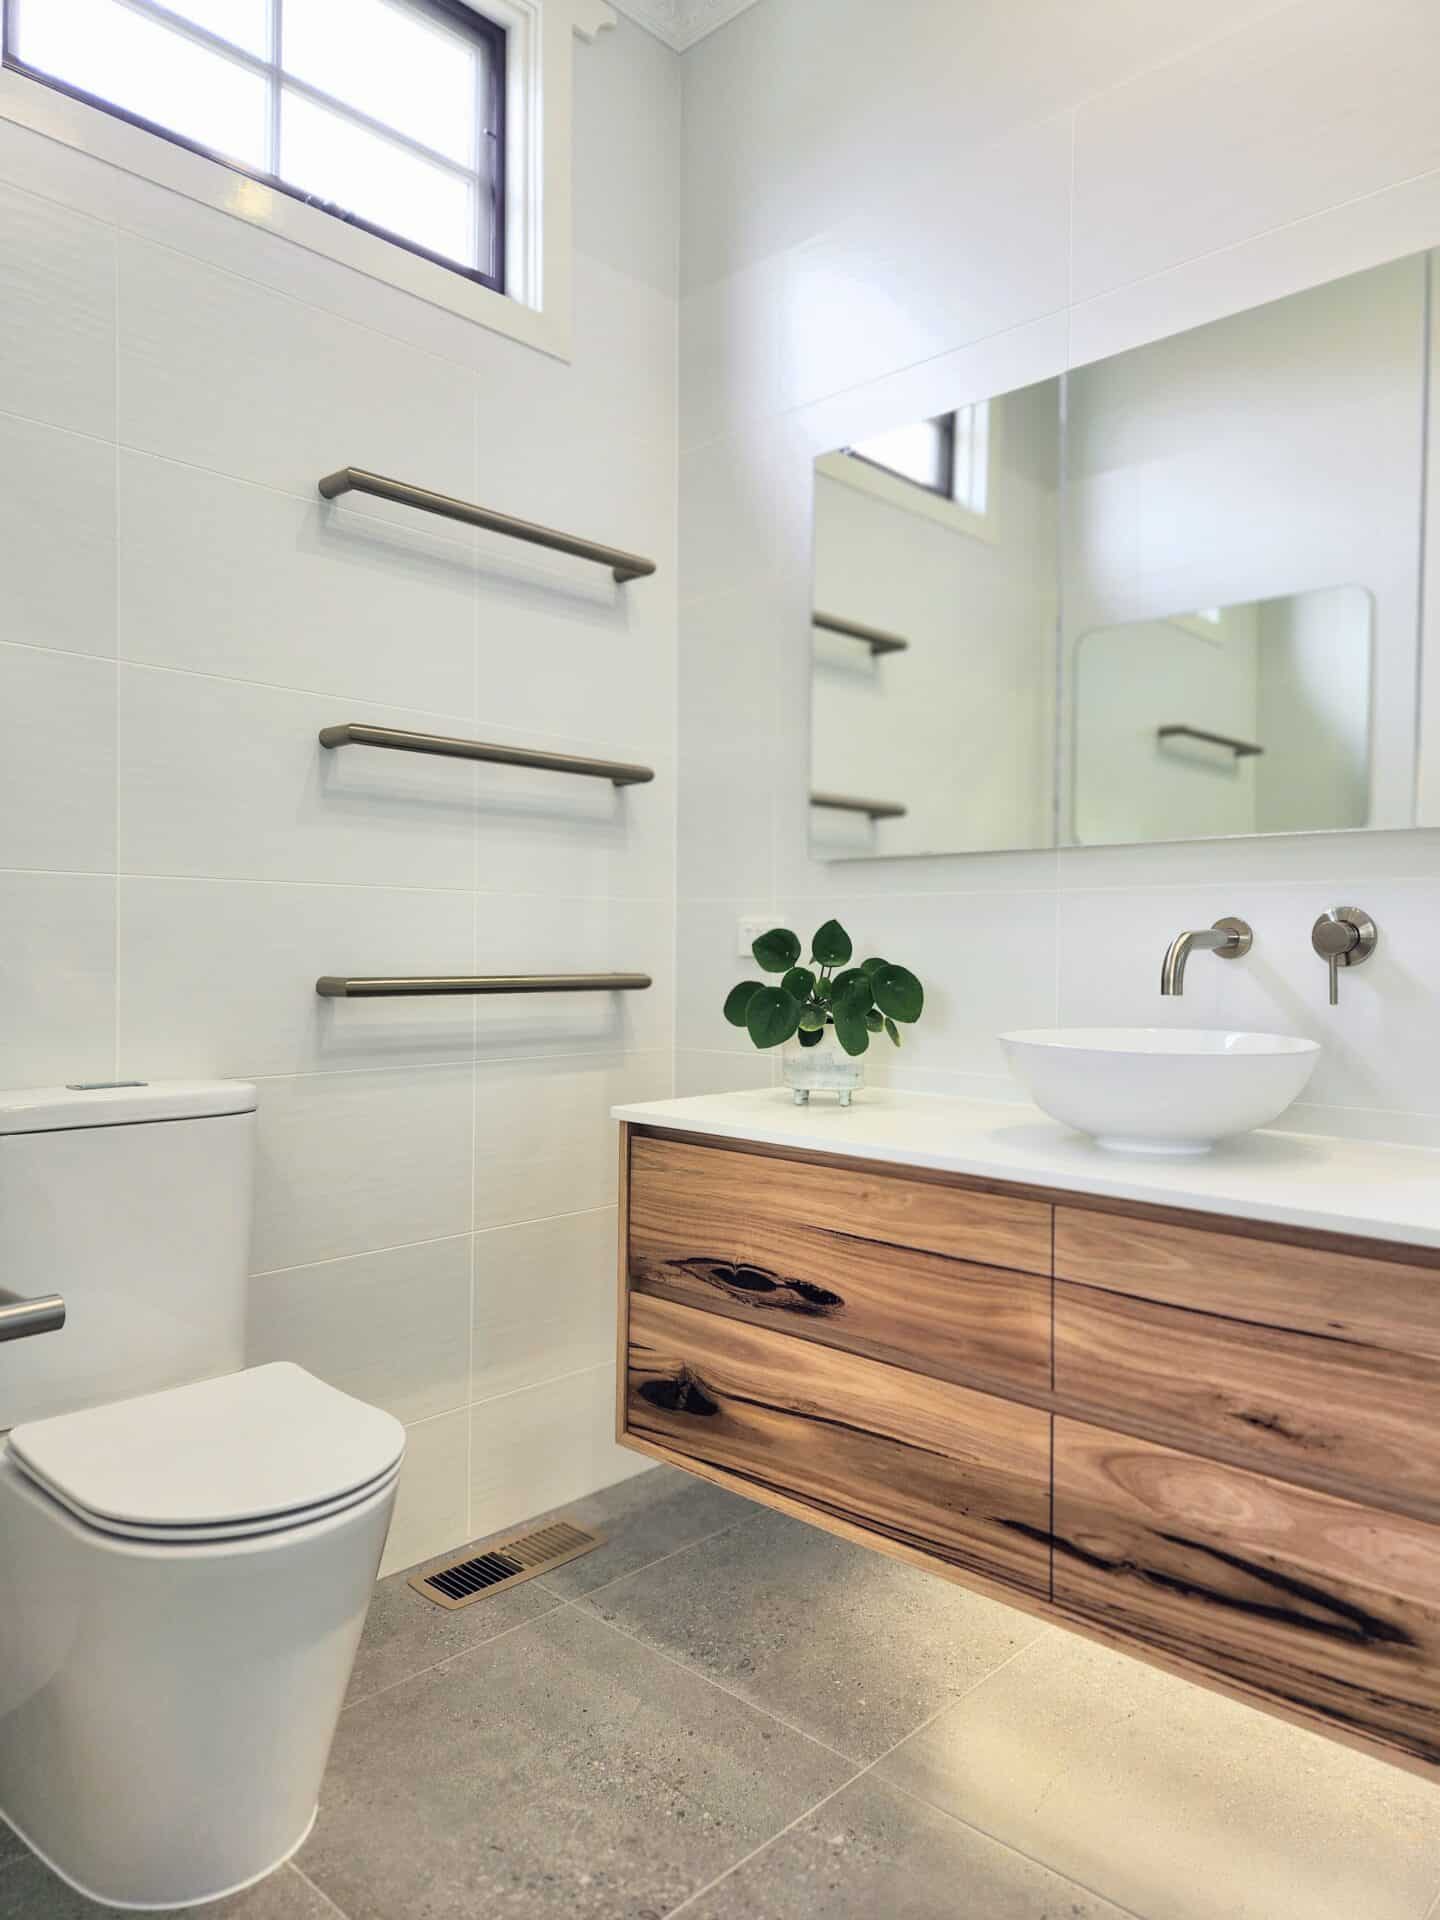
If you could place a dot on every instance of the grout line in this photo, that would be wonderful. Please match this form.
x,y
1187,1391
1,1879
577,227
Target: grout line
x,y
579,1599
318,1891
825,1800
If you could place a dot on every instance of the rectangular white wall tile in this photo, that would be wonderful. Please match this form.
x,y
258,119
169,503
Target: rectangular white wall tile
x,y
537,933
57,978
351,1162
57,736
392,1328
555,1441
544,1301
1308,106
57,538
340,603
219,777
220,372
218,977
431,1503
57,292
544,1139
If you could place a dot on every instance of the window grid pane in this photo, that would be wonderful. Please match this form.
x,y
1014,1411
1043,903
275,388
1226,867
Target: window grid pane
x,y
395,123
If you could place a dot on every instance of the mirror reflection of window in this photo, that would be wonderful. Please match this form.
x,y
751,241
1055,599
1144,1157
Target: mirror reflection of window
x,y
948,455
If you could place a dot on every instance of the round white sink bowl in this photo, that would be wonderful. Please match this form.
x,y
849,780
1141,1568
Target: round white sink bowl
x,y
1160,1089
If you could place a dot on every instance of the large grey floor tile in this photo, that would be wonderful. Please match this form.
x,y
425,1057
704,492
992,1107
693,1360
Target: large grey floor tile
x,y
561,1769
405,1633
1173,1801
643,1520
852,1648
29,1891
12,1847
873,1851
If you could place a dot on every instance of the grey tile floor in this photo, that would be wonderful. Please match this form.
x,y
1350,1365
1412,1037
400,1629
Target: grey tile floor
x,y
724,1715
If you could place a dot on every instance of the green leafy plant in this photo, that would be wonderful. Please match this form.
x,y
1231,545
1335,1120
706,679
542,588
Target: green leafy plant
x,y
874,997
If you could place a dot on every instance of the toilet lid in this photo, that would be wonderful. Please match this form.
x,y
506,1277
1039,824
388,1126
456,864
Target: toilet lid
x,y
242,1448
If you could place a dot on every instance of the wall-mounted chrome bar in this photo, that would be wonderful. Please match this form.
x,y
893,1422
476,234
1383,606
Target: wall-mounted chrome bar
x,y
624,566
876,638
850,803
1242,749
19,1318
353,734
332,986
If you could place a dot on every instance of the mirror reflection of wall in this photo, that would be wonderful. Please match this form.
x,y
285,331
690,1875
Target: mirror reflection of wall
x,y
942,535
1219,532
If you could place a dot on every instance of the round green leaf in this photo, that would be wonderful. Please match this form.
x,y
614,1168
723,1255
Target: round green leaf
x,y
776,951
899,993
831,945
810,1036
893,1031
870,967
771,1017
738,999
852,979
812,1020
874,1020
799,983
850,1028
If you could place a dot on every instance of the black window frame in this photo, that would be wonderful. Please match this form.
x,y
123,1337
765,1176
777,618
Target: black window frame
x,y
944,488
477,25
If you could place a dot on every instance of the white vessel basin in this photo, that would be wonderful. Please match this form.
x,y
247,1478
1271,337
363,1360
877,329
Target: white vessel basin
x,y
1160,1089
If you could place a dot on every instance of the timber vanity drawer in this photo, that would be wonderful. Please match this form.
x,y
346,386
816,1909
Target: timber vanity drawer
x,y
1226,1460
1332,1608
1316,1365
947,1281
933,1469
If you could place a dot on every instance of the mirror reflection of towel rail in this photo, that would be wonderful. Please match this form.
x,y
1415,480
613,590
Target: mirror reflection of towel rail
x,y
334,986
1242,749
624,566
876,638
852,803
353,733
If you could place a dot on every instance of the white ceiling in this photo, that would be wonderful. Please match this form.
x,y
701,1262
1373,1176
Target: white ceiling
x,y
680,23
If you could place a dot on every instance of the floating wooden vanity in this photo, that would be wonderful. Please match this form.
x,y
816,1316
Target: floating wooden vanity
x,y
1214,1442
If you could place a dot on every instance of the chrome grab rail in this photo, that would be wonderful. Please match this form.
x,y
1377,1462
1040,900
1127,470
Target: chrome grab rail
x,y
876,638
1242,749
624,566
19,1318
850,803
352,733
333,986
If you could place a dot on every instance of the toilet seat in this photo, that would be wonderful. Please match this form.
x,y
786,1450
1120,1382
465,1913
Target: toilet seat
x,y
247,1453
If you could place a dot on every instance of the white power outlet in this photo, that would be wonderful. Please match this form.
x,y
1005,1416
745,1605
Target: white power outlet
x,y
748,931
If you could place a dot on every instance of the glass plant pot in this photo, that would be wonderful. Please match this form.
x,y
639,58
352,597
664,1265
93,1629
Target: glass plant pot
x,y
823,1069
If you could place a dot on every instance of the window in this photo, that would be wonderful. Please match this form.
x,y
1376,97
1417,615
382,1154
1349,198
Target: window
x,y
388,114
948,455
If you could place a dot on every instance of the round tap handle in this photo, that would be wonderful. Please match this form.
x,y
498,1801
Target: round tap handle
x,y
1343,937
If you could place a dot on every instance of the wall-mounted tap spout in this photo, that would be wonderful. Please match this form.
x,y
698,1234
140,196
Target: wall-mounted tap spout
x,y
1227,938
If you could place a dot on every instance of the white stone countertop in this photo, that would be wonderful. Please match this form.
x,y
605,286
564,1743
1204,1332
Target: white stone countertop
x,y
1293,1179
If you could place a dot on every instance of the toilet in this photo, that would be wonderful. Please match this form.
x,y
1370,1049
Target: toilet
x,y
187,1546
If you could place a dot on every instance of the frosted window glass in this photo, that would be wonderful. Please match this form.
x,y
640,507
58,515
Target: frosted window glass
x,y
393,63
336,160
913,452
149,70
245,23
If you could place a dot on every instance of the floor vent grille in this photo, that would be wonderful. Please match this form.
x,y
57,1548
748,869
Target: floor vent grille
x,y
470,1576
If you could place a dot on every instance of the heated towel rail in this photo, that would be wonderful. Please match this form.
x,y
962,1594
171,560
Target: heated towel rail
x,y
1242,749
352,733
876,638
851,803
333,986
624,566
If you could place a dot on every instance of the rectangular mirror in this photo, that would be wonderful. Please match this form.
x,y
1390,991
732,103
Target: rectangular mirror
x,y
1171,595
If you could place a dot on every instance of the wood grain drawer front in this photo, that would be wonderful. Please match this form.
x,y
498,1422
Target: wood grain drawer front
x,y
1324,1607
947,1318
869,1203
1320,1409
937,1469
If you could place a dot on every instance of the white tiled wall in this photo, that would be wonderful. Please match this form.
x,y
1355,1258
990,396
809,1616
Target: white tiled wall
x,y
179,859
934,203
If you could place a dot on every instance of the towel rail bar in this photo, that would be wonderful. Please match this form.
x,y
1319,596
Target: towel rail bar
x,y
353,733
333,986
